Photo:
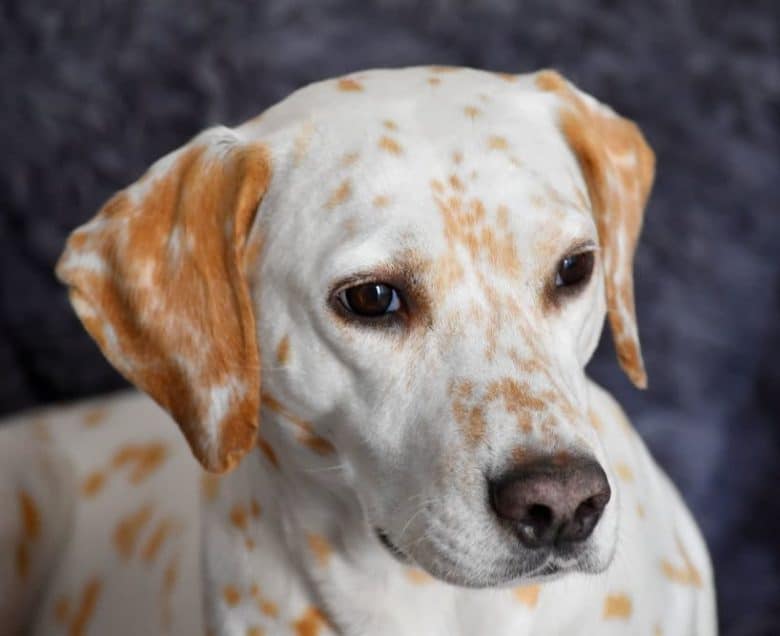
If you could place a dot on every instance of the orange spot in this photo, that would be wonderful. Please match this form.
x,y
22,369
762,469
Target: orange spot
x,y
318,444
254,630
93,483
155,541
640,511
249,543
22,559
238,517
310,623
624,471
62,611
617,606
143,460
595,420
209,486
497,142
390,145
320,547
269,608
685,575
306,434
390,124
434,81
254,509
381,201
170,577
283,350
95,416
89,598
456,183
231,595
528,594
472,112
339,195
127,530
267,450
349,85
417,576
31,518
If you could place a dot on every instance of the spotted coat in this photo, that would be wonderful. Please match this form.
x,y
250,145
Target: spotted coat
x,y
214,284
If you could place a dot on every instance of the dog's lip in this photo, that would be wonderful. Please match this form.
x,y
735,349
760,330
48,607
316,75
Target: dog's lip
x,y
390,546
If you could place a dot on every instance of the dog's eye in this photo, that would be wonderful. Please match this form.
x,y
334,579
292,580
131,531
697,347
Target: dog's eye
x,y
370,299
574,270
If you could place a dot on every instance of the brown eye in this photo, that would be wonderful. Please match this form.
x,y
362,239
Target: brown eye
x,y
370,299
574,270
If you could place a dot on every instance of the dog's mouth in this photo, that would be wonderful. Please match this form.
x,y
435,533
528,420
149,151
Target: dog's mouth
x,y
391,547
547,566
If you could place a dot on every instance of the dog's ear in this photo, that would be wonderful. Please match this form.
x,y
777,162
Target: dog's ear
x,y
157,278
618,167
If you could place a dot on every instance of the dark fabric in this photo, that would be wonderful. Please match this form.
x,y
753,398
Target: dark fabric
x,y
94,91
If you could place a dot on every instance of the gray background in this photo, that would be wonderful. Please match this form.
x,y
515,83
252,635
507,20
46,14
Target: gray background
x,y
92,92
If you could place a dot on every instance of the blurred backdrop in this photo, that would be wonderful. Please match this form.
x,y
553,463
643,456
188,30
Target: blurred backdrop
x,y
94,91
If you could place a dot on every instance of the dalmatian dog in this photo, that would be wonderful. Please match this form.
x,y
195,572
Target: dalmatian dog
x,y
369,311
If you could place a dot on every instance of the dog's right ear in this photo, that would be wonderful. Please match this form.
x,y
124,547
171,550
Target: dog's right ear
x,y
157,279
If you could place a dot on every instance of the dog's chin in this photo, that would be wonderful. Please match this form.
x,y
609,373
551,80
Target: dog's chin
x,y
537,567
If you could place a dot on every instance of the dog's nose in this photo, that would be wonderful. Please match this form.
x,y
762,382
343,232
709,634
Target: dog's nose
x,y
552,502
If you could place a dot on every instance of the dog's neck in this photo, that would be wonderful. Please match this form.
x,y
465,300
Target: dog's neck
x,y
286,534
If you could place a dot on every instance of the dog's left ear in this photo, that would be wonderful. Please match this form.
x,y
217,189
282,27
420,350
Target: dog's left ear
x,y
618,167
157,278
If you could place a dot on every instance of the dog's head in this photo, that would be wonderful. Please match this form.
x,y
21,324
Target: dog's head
x,y
420,262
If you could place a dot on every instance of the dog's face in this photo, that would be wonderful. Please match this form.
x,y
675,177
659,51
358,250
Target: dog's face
x,y
432,252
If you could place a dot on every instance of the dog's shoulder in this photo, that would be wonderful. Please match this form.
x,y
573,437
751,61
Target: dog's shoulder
x,y
105,495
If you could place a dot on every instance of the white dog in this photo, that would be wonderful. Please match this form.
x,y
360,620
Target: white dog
x,y
418,263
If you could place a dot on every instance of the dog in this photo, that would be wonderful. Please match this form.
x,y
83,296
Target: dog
x,y
418,264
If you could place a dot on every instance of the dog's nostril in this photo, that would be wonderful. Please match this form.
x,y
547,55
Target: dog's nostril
x,y
539,515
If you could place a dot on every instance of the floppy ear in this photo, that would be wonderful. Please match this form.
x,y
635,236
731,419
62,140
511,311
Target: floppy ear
x,y
618,167
157,279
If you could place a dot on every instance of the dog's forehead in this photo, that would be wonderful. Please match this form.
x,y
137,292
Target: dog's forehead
x,y
424,116
443,157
